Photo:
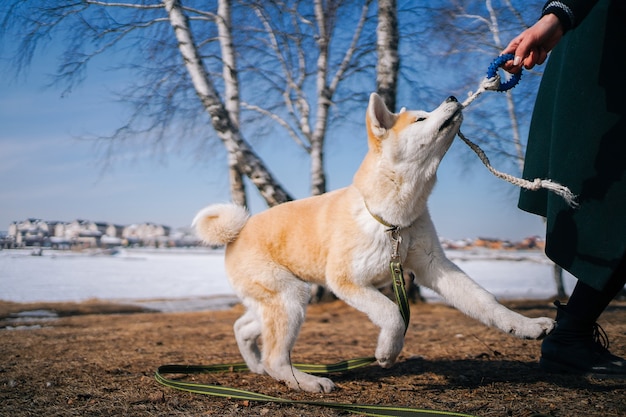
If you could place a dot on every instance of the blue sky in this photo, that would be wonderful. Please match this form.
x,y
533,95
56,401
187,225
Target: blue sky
x,y
48,172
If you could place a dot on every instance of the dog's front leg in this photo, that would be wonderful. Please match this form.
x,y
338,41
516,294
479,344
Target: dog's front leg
x,y
383,312
437,272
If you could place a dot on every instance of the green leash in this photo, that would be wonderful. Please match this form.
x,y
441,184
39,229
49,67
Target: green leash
x,y
397,277
238,394
399,290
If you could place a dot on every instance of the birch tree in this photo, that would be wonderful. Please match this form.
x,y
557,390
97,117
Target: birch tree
x,y
484,29
312,68
388,63
231,94
226,127
308,67
96,27
476,33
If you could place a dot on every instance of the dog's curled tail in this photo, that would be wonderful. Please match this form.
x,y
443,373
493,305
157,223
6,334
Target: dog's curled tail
x,y
220,224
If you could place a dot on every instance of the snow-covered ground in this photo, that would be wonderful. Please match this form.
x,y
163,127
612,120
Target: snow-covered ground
x,y
195,279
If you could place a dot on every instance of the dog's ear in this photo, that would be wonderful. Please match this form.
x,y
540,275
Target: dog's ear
x,y
379,118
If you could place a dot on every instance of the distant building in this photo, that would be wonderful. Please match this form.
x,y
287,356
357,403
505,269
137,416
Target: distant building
x,y
6,241
490,243
532,242
31,232
80,234
88,234
146,234
529,243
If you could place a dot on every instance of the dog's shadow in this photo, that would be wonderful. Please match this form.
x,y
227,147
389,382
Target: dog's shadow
x,y
475,373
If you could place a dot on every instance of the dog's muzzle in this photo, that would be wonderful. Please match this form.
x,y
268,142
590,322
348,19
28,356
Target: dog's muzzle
x,y
452,118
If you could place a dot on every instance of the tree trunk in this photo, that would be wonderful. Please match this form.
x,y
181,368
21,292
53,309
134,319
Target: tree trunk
x,y
387,67
247,161
388,63
557,273
237,186
318,176
231,94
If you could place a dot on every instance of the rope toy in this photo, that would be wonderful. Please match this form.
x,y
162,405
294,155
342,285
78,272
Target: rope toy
x,y
492,71
492,83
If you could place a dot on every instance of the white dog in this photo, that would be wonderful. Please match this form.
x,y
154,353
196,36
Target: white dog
x,y
340,240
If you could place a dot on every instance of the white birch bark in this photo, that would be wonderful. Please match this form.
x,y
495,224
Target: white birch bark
x,y
326,89
231,94
248,162
557,271
318,176
307,131
517,139
388,64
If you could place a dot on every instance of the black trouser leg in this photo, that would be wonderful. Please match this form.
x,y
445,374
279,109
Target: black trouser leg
x,y
587,303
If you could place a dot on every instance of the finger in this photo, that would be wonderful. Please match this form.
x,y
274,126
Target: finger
x,y
543,55
532,59
510,68
523,51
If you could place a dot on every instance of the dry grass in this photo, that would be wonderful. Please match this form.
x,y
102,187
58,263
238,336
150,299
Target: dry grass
x,y
98,360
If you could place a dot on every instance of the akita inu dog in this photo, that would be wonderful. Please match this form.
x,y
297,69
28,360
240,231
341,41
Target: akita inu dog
x,y
340,240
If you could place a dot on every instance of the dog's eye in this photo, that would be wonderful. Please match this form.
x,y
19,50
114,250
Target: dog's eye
x,y
420,119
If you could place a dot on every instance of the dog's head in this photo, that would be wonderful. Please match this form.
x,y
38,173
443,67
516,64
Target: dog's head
x,y
405,149
412,135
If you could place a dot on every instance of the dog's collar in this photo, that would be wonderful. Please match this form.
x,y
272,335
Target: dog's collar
x,y
380,219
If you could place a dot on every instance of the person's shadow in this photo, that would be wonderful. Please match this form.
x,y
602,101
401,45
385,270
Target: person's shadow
x,y
484,370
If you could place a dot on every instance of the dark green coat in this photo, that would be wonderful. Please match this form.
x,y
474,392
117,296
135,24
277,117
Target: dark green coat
x,y
578,138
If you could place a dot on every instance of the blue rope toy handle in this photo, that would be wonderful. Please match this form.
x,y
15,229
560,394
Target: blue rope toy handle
x,y
493,70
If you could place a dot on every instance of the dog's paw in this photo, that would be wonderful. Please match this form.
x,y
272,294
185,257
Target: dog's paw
x,y
312,384
386,362
390,343
256,368
388,355
537,328
325,385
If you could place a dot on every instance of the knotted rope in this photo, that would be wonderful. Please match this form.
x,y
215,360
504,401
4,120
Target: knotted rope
x,y
534,185
492,83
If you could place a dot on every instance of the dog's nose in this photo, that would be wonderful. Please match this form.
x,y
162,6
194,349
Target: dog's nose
x,y
451,99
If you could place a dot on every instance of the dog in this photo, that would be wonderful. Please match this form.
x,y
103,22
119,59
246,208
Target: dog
x,y
340,240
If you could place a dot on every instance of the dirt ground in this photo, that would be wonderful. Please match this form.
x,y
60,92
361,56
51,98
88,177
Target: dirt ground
x,y
98,359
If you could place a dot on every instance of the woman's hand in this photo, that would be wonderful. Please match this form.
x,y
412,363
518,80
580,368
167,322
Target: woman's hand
x,y
531,47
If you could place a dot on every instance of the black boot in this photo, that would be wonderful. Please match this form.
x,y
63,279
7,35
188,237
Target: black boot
x,y
579,347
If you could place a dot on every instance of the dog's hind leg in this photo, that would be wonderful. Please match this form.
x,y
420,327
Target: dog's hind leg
x,y
247,333
282,315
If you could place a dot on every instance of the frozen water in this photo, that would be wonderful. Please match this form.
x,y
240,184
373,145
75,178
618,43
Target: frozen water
x,y
194,279
127,275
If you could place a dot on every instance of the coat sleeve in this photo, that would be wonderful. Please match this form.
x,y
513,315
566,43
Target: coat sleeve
x,y
570,12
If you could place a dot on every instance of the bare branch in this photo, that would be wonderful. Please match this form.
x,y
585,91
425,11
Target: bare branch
x,y
494,27
300,106
126,5
275,117
516,13
341,71
235,145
